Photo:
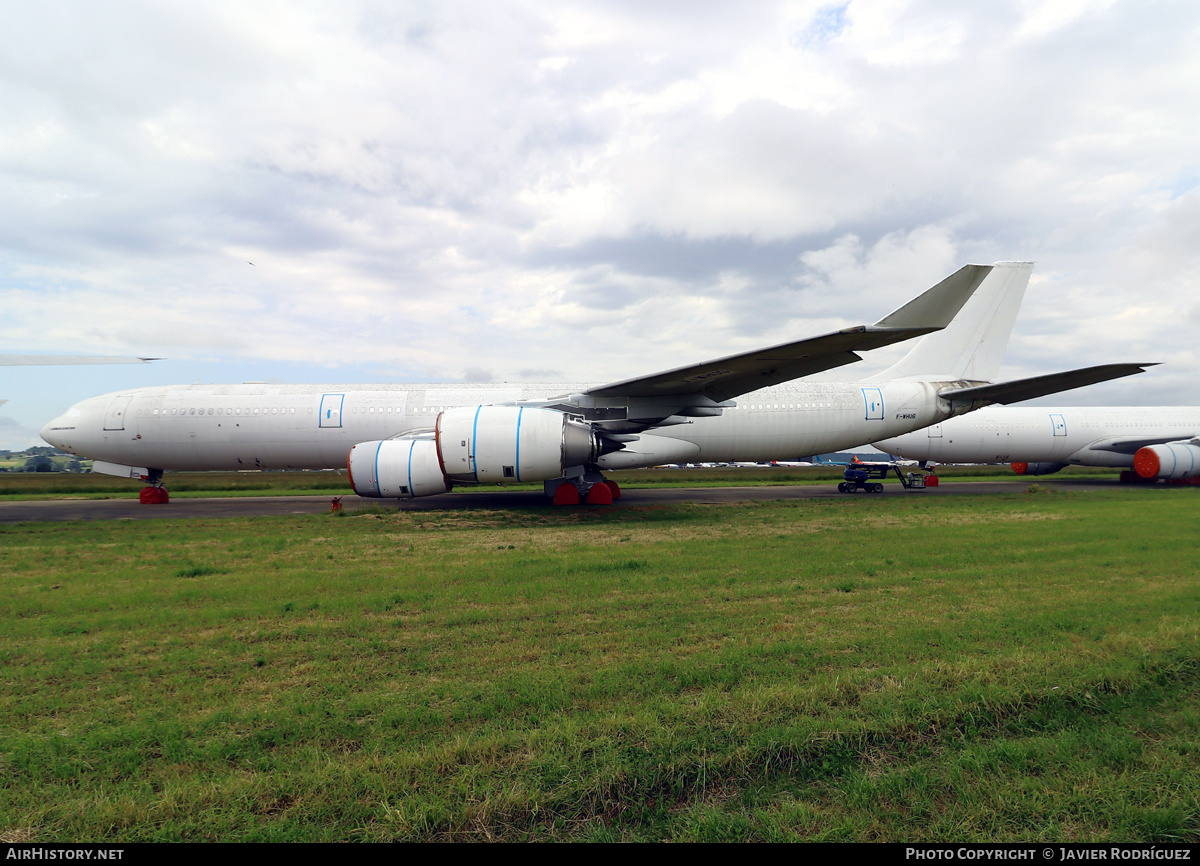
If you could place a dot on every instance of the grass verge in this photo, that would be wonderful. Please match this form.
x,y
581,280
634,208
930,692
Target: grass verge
x,y
979,668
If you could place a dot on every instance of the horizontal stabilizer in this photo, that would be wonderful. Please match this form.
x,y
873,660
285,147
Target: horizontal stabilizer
x,y
1040,386
728,377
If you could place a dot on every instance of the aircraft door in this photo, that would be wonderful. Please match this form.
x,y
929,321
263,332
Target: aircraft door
x,y
1059,424
331,410
873,400
114,418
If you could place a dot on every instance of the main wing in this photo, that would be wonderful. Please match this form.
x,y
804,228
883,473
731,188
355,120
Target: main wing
x,y
48,360
712,382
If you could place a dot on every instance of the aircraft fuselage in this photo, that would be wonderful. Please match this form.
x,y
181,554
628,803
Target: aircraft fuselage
x,y
1069,435
229,427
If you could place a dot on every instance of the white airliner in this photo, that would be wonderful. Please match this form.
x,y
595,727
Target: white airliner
x,y
405,441
1155,441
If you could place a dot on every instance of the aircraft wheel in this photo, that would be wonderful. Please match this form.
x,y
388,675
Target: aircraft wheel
x,y
599,494
614,489
154,496
566,494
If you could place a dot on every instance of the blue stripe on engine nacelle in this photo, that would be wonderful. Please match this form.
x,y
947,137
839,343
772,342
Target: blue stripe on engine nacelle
x,y
474,442
518,466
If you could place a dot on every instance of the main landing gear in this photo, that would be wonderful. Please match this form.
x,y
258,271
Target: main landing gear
x,y
154,493
582,487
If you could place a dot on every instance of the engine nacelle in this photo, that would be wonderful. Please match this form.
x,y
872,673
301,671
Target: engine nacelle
x,y
1037,468
1173,460
396,469
475,445
511,444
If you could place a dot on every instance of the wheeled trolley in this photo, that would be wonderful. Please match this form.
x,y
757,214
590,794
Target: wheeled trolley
x,y
858,476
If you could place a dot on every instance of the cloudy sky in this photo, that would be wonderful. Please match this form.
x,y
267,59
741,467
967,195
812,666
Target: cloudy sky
x,y
583,191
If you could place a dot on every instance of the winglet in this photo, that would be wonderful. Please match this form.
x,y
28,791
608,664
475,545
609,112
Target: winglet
x,y
936,307
973,344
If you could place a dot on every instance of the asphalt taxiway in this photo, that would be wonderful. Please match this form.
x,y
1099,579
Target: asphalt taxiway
x,y
262,506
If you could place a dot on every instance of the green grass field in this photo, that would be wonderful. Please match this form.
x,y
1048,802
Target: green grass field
x,y
1018,667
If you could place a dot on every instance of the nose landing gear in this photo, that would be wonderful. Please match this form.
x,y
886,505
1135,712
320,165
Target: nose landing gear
x,y
154,493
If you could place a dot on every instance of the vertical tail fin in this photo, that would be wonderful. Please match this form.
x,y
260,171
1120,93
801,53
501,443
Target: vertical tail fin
x,y
973,344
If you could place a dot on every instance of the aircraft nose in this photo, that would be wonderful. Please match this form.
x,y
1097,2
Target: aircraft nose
x,y
63,432
49,434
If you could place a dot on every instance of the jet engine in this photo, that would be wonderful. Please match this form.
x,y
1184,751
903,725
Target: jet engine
x,y
396,468
1173,460
476,445
1036,468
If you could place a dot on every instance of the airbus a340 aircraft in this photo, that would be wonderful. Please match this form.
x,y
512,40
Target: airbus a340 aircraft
x,y
405,441
1155,441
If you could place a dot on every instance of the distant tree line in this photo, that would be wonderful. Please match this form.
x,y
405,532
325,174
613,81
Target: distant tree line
x,y
40,458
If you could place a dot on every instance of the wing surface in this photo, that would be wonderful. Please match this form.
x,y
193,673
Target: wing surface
x,y
725,378
47,360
